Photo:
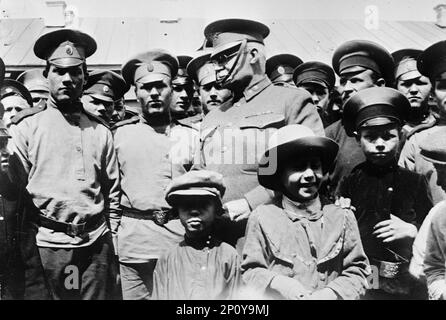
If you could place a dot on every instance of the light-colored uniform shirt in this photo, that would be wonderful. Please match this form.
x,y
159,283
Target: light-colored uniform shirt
x,y
146,170
70,169
411,159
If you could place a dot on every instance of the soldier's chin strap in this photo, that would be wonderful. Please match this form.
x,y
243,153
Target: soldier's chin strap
x,y
234,69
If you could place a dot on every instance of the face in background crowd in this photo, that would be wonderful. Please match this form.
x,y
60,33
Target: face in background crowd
x,y
380,143
13,105
212,96
302,179
352,82
66,84
181,99
154,97
319,94
119,113
98,107
416,90
439,92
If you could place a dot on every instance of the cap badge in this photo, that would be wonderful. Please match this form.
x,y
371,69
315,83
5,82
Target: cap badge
x,y
106,89
150,67
69,50
281,70
8,90
181,72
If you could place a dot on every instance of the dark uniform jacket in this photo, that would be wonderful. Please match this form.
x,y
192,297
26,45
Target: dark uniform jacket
x,y
368,188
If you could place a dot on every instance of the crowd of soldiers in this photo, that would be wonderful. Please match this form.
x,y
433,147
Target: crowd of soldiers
x,y
173,200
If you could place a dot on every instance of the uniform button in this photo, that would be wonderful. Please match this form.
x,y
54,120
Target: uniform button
x,y
203,268
294,255
255,88
322,277
237,104
225,148
78,149
291,273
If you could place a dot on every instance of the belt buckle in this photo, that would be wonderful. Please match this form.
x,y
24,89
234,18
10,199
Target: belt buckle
x,y
160,217
75,229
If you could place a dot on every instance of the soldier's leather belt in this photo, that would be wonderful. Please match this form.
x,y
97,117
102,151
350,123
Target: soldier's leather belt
x,y
72,229
389,269
160,216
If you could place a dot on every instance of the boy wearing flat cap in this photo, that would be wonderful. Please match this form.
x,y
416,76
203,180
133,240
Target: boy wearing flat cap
x,y
319,80
64,163
201,267
360,64
235,134
432,149
298,247
144,147
103,88
37,85
390,202
432,64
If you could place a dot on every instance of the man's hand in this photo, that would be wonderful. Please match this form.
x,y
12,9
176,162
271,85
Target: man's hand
x,y
237,209
345,203
394,229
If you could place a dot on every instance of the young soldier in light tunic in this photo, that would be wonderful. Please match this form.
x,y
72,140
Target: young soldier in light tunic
x,y
65,165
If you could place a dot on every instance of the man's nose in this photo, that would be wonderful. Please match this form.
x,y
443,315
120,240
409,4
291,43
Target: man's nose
x,y
379,143
67,77
308,174
413,88
315,98
154,92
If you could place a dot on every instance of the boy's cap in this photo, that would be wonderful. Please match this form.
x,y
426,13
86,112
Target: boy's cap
x,y
14,88
106,85
150,66
433,147
314,72
201,69
366,54
406,63
432,61
374,107
196,183
65,47
34,80
280,67
291,142
227,33
182,78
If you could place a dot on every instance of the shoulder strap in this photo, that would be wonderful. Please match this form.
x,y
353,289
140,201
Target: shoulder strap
x,y
27,113
132,120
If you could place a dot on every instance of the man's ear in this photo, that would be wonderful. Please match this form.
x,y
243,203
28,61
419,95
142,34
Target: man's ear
x,y
357,137
254,55
380,82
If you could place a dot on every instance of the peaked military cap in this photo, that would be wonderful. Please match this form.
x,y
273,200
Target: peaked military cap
x,y
2,71
366,54
150,66
201,69
280,67
196,183
34,80
432,61
65,47
227,33
182,78
106,85
406,63
374,107
14,88
314,72
433,147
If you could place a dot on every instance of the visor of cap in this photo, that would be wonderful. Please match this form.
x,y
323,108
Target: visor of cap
x,y
406,66
206,74
377,121
100,96
151,72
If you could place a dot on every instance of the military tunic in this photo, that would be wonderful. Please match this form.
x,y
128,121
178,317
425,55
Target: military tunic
x,y
411,159
69,167
236,134
146,170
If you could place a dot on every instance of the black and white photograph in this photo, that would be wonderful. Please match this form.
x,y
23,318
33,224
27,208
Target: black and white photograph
x,y
238,151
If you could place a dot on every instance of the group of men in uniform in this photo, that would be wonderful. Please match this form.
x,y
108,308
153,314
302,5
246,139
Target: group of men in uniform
x,y
86,178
